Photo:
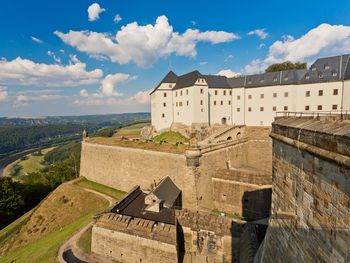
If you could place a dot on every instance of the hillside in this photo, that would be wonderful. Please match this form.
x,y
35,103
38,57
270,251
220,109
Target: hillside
x,y
39,233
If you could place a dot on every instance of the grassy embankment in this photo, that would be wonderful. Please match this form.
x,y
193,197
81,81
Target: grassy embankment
x,y
31,163
38,234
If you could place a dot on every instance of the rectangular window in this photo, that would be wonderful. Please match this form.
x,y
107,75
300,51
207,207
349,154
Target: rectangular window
x,y
286,94
261,96
181,93
187,103
307,93
214,102
249,96
275,95
285,107
320,92
187,92
230,92
335,92
238,97
221,103
164,104
307,107
319,107
163,115
229,102
201,102
216,92
224,92
202,110
238,109
170,86
175,93
249,109
201,91
334,107
274,108
164,94
176,104
180,103
261,108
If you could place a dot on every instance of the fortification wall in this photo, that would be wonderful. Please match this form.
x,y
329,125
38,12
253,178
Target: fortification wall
x,y
311,188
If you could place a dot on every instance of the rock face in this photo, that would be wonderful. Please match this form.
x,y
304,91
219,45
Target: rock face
x,y
310,219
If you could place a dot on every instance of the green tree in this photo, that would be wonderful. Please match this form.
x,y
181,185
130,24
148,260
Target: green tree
x,y
287,65
11,200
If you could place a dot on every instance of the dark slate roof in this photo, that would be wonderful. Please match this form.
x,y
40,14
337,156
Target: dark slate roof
x,y
167,191
216,81
236,82
171,77
326,69
134,205
188,80
347,70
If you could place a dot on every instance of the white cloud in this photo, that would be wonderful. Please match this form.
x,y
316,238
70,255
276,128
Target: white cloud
x,y
324,40
94,11
110,83
228,73
56,59
261,33
193,23
202,63
262,45
117,18
3,93
24,100
62,51
230,56
37,40
83,93
25,72
39,91
143,44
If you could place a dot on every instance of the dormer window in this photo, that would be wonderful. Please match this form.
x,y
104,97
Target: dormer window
x,y
275,79
307,76
249,81
262,81
334,73
326,66
286,79
170,86
320,75
313,69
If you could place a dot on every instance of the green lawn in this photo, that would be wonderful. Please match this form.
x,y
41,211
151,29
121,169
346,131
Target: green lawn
x,y
170,137
30,165
131,130
45,249
116,194
84,242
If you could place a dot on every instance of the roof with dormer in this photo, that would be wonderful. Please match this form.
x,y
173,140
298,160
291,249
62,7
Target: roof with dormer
x,y
327,69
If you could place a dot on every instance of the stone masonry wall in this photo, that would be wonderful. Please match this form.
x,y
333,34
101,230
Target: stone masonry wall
x,y
310,219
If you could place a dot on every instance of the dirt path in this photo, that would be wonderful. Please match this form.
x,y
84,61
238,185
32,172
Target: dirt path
x,y
69,251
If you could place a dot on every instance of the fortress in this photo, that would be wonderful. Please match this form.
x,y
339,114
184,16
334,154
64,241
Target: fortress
x,y
214,200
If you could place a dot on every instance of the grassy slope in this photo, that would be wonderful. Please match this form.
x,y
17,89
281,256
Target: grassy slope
x,y
170,137
84,242
38,235
131,130
116,194
31,164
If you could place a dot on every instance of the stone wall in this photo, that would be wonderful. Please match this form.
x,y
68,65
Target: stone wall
x,y
310,219
134,240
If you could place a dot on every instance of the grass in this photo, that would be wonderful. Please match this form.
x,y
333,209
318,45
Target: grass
x,y
152,146
84,242
116,194
134,129
38,234
31,164
170,137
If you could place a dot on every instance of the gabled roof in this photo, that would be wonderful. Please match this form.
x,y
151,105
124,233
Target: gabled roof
x,y
188,80
167,191
171,77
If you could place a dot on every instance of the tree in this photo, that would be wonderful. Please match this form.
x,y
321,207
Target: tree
x,y
287,65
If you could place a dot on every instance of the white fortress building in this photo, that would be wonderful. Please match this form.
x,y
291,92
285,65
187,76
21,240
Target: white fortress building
x,y
198,100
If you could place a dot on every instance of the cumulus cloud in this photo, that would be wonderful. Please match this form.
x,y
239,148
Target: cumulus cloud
x,y
55,58
143,44
228,73
25,72
324,40
94,11
261,33
39,91
25,100
117,18
3,93
37,40
84,93
110,83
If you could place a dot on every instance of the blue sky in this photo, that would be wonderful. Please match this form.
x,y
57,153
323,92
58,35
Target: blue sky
x,y
59,59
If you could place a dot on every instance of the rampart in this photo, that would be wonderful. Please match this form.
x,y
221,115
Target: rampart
x,y
310,219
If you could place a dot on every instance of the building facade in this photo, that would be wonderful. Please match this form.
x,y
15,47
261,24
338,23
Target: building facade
x,y
254,100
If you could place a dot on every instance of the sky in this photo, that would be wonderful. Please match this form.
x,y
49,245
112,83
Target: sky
x,y
96,57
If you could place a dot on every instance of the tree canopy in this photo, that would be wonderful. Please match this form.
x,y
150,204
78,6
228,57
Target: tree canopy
x,y
287,65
